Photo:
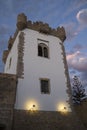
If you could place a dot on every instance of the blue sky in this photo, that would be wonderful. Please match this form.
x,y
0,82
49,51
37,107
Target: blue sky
x,y
72,14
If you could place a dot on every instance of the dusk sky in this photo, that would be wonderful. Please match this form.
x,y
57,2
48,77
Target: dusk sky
x,y
72,14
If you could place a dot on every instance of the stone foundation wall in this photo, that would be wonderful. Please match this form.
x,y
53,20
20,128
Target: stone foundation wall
x,y
43,120
7,100
11,119
81,112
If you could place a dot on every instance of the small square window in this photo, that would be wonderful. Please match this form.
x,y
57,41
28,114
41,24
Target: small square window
x,y
45,86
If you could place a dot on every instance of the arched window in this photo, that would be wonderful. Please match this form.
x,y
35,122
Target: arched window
x,y
43,50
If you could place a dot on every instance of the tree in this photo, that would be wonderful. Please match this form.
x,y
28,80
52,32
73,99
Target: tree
x,y
78,92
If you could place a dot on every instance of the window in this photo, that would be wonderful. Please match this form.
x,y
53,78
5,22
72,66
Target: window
x,y
45,86
39,50
43,50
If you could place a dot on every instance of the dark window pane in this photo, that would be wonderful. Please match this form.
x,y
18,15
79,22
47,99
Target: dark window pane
x,y
44,86
40,51
45,52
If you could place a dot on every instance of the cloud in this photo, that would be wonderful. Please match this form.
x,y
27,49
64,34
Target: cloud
x,y
82,16
84,79
78,47
4,29
77,61
71,30
74,5
6,7
3,44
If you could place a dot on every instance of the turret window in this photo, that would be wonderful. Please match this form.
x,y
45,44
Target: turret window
x,y
43,50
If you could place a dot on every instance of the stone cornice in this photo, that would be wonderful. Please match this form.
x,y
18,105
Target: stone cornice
x,y
68,90
20,62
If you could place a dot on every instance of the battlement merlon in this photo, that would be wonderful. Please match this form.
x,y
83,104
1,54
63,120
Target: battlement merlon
x,y
41,27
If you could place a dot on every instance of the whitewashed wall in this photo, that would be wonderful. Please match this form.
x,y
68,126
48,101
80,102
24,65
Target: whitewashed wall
x,y
13,54
36,67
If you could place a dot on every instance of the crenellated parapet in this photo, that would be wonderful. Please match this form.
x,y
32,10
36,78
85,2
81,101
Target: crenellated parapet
x,y
10,44
44,28
11,40
5,55
41,27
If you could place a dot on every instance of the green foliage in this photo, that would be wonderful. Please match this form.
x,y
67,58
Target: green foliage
x,y
78,92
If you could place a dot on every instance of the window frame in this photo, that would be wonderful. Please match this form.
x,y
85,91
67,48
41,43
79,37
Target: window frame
x,y
48,86
45,48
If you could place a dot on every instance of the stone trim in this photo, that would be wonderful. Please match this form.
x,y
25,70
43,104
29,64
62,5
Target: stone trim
x,y
20,63
41,40
67,77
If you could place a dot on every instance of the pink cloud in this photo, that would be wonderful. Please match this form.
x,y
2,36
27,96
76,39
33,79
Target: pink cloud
x,y
77,61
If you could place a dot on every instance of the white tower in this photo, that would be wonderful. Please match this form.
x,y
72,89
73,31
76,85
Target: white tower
x,y
36,55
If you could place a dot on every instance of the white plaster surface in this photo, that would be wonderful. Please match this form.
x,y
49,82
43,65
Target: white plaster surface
x,y
36,67
13,54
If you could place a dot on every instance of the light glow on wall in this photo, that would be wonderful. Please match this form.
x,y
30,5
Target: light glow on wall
x,y
31,105
62,107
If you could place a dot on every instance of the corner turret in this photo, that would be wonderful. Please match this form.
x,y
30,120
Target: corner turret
x,y
21,21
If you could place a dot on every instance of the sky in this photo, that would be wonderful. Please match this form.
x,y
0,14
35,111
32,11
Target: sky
x,y
72,14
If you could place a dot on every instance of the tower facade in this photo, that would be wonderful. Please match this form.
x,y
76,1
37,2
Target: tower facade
x,y
36,55
35,86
